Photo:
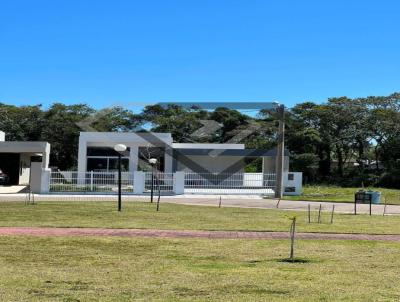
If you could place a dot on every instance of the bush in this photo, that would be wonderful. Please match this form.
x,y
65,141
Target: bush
x,y
390,179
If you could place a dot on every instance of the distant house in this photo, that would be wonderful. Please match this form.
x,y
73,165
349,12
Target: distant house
x,y
16,158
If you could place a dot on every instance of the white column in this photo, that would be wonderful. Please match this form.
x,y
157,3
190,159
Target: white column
x,y
46,157
45,184
82,155
138,182
133,158
179,182
168,160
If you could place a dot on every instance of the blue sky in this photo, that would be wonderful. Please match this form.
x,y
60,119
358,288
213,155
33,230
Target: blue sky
x,y
121,52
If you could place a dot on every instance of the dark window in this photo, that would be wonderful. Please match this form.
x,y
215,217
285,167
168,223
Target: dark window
x,y
104,151
113,164
290,189
290,176
97,164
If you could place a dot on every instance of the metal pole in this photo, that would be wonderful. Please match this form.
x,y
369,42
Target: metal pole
x,y
152,183
370,205
119,183
280,153
319,213
355,204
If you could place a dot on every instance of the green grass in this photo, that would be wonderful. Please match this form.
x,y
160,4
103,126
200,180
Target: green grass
x,y
144,269
340,194
183,217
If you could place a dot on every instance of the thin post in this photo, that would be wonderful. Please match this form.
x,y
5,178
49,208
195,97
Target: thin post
x,y
309,213
355,204
319,213
280,155
292,232
159,194
119,183
384,208
152,184
220,201
91,180
333,210
370,204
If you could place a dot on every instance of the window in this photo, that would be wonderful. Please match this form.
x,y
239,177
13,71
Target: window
x,y
106,164
290,176
105,159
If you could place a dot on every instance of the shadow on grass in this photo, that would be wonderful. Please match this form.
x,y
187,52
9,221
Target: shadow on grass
x,y
296,260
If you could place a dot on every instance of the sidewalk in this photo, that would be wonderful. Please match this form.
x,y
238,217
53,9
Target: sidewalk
x,y
242,201
35,231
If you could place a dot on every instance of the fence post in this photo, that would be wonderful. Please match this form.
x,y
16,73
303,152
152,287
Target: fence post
x,y
138,182
179,182
91,180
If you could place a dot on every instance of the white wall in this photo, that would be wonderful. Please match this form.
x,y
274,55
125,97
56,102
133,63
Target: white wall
x,y
296,183
24,168
211,164
131,140
2,136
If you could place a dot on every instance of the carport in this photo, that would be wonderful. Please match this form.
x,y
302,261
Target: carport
x,y
16,159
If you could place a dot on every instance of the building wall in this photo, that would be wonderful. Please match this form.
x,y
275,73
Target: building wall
x,y
211,164
2,136
24,168
131,140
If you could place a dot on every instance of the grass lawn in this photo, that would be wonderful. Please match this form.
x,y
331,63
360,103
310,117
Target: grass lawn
x,y
339,194
183,217
144,269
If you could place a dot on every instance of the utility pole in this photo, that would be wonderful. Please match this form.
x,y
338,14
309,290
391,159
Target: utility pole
x,y
280,153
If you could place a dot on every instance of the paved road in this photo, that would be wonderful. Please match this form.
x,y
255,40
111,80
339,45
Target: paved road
x,y
38,231
242,201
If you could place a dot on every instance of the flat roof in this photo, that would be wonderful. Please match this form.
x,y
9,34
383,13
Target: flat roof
x,y
23,147
207,146
126,137
228,152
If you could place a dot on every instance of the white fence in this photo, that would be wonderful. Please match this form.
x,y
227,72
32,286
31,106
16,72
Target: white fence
x,y
102,182
224,183
178,183
162,181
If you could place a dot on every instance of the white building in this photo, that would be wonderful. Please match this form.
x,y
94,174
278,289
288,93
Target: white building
x,y
96,154
16,158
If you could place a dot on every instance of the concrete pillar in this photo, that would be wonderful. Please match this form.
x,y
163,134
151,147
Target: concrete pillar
x,y
45,181
133,159
82,161
46,157
179,182
138,182
168,159
39,179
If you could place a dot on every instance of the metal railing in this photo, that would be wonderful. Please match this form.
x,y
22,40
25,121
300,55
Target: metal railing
x,y
164,180
227,183
102,182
